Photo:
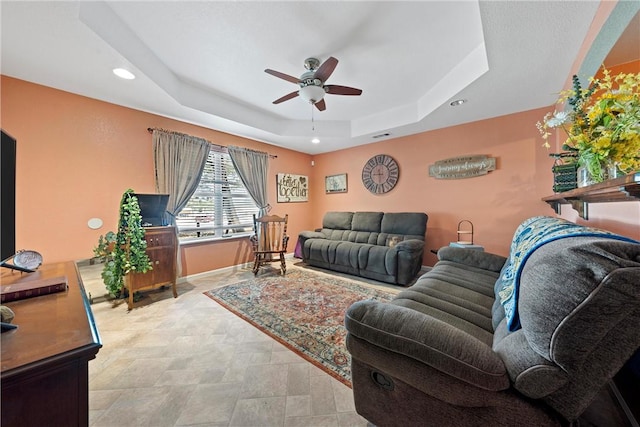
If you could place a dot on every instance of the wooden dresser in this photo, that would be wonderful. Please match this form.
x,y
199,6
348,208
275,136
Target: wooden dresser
x,y
162,249
45,372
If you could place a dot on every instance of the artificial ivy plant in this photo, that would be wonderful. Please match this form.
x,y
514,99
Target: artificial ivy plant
x,y
124,252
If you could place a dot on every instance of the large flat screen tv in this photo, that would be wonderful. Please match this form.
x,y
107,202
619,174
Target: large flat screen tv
x,y
153,208
7,196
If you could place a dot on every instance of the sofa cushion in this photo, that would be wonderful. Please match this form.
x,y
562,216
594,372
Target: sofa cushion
x,y
334,234
346,254
412,224
367,221
379,259
479,260
337,220
366,237
428,340
456,294
323,250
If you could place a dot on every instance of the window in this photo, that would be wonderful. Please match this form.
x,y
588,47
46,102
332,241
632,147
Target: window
x,y
221,206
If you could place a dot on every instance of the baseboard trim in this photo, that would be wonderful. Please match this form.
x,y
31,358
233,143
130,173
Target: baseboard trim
x,y
246,265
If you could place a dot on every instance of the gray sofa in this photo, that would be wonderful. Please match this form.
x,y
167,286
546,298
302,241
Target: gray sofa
x,y
484,340
382,246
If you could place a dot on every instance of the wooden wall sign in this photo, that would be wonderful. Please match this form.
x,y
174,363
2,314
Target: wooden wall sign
x,y
292,188
462,167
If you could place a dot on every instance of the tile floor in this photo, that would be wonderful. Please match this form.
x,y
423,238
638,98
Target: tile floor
x,y
190,362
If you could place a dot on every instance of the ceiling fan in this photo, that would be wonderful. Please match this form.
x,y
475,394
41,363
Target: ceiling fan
x,y
312,87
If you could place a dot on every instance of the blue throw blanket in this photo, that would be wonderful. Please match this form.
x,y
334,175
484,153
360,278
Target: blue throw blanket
x,y
529,236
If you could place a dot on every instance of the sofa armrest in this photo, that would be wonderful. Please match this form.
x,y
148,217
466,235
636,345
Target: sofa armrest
x,y
472,257
411,245
409,258
428,340
306,235
311,235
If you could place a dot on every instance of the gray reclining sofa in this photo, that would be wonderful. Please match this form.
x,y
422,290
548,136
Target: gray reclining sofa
x,y
484,340
382,246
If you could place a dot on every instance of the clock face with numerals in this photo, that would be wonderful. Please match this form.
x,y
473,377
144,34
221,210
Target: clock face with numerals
x,y
380,174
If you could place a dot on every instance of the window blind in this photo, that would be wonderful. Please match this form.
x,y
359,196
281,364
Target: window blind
x,y
221,206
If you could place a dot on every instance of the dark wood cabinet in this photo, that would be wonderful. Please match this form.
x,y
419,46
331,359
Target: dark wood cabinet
x,y
45,372
162,249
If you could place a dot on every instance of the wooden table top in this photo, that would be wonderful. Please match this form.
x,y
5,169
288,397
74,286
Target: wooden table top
x,y
49,326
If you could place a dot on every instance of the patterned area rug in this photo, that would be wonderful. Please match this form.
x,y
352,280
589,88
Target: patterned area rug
x,y
302,310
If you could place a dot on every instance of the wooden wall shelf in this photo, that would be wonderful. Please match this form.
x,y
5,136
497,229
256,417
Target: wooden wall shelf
x,y
623,189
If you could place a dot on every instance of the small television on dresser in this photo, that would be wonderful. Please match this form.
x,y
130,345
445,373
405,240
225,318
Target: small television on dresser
x,y
153,208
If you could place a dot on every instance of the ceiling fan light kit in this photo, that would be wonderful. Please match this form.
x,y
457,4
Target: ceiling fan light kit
x,y
312,83
311,94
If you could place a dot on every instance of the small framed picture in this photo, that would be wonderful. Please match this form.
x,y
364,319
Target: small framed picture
x,y
335,183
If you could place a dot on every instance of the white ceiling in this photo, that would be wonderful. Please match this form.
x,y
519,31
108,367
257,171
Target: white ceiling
x,y
203,62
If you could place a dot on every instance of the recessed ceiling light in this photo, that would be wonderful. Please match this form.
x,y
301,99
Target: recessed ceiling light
x,y
123,74
315,140
457,102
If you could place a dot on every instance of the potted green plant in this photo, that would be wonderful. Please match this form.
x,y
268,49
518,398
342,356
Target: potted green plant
x,y
602,125
104,250
124,252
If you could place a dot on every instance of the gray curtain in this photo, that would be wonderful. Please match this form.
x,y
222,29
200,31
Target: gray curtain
x,y
179,160
252,167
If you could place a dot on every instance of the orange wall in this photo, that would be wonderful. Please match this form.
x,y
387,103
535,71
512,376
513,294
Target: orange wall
x,y
77,155
75,158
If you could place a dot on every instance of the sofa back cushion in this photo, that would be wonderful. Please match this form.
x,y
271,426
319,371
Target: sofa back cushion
x,y
367,221
411,225
577,291
374,228
337,220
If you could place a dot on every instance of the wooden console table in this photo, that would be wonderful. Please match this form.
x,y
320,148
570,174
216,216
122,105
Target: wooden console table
x,y
623,189
45,375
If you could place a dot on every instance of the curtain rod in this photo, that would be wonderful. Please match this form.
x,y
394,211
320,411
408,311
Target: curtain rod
x,y
150,130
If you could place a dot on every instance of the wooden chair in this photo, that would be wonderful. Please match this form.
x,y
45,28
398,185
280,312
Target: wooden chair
x,y
270,238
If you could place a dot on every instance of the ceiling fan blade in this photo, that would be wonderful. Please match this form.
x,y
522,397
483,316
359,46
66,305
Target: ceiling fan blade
x,y
326,69
320,105
342,90
283,76
286,97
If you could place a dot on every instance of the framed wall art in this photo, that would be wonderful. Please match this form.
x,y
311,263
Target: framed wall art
x,y
335,183
292,188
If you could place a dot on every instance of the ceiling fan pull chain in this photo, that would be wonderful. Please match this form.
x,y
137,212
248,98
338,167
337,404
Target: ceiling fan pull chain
x,y
313,124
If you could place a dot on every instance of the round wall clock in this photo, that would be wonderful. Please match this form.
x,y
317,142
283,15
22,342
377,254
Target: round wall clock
x,y
380,174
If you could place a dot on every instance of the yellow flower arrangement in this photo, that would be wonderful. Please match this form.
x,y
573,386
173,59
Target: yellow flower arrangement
x,y
603,126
